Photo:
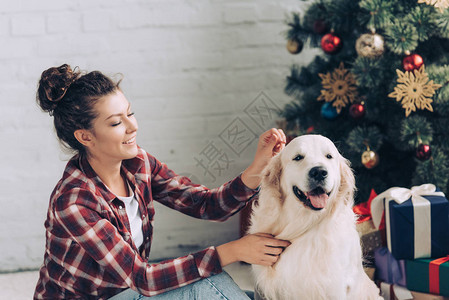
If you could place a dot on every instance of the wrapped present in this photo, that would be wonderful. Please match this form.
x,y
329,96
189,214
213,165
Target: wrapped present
x,y
423,296
394,292
417,221
428,275
371,237
388,269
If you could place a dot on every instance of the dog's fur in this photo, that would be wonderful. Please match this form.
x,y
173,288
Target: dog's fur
x,y
324,260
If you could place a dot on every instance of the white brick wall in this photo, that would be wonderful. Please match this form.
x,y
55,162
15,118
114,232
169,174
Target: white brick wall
x,y
190,67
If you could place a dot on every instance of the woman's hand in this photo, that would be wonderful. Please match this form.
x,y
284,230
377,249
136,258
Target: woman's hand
x,y
271,142
259,249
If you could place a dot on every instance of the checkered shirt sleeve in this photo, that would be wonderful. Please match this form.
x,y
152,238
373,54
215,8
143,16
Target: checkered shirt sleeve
x,y
195,200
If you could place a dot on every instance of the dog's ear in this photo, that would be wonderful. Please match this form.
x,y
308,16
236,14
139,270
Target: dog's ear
x,y
271,176
266,211
347,181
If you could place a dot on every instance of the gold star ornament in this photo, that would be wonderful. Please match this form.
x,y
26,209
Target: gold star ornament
x,y
440,4
414,90
339,87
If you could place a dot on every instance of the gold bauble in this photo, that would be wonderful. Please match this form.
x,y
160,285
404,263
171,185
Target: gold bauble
x,y
370,159
370,45
294,46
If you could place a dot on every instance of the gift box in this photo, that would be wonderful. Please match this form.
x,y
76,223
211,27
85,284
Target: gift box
x,y
371,237
423,296
428,275
394,292
417,221
389,269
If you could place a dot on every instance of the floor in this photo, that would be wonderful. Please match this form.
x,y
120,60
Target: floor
x,y
20,286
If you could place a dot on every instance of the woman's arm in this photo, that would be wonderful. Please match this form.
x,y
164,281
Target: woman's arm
x,y
259,249
179,193
271,142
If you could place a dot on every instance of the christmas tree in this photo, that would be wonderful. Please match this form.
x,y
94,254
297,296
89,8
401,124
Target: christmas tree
x,y
379,87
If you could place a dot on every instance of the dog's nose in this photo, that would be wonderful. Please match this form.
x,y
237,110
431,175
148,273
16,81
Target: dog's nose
x,y
318,173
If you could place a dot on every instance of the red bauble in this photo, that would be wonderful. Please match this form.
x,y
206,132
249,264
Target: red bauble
x,y
423,152
412,62
330,43
357,110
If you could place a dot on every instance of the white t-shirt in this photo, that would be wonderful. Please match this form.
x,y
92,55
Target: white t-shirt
x,y
135,221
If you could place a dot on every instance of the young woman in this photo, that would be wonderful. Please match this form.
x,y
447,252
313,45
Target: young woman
x,y
100,217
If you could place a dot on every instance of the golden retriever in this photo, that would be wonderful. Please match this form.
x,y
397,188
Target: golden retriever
x,y
306,197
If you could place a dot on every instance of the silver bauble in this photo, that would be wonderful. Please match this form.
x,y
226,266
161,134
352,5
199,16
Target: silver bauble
x,y
370,45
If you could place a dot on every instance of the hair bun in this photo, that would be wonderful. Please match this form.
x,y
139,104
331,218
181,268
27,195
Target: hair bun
x,y
53,86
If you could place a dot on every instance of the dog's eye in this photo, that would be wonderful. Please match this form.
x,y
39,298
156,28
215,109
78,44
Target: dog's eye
x,y
298,157
329,156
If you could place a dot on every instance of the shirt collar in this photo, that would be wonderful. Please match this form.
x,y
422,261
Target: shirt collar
x,y
134,164
129,168
101,188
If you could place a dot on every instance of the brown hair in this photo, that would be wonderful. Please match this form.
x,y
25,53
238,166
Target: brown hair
x,y
69,96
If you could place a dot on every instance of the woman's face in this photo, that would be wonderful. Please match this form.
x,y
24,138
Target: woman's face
x,y
114,130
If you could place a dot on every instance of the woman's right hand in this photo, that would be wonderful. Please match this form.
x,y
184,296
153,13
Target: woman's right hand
x,y
259,249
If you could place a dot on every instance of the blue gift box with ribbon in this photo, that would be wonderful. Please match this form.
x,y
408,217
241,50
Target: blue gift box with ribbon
x,y
417,221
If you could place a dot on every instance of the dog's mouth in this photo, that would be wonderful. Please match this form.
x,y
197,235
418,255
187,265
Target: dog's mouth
x,y
315,199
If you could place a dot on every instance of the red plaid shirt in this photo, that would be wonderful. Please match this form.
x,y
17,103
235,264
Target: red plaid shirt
x,y
89,251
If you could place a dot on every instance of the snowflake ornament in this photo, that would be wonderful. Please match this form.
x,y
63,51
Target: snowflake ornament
x,y
339,87
440,4
414,90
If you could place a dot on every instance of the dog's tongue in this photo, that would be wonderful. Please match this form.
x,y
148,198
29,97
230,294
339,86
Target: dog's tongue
x,y
317,200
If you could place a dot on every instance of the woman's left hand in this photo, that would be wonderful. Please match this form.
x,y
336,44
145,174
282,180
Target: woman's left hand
x,y
271,142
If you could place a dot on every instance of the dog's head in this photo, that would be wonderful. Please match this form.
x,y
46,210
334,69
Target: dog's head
x,y
311,171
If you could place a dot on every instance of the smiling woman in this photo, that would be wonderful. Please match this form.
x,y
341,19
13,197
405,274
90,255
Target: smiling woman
x,y
100,218
112,140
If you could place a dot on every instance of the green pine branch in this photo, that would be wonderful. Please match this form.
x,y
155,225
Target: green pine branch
x,y
401,37
377,14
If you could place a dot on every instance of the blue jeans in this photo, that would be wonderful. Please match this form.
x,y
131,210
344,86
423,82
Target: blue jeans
x,y
220,286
